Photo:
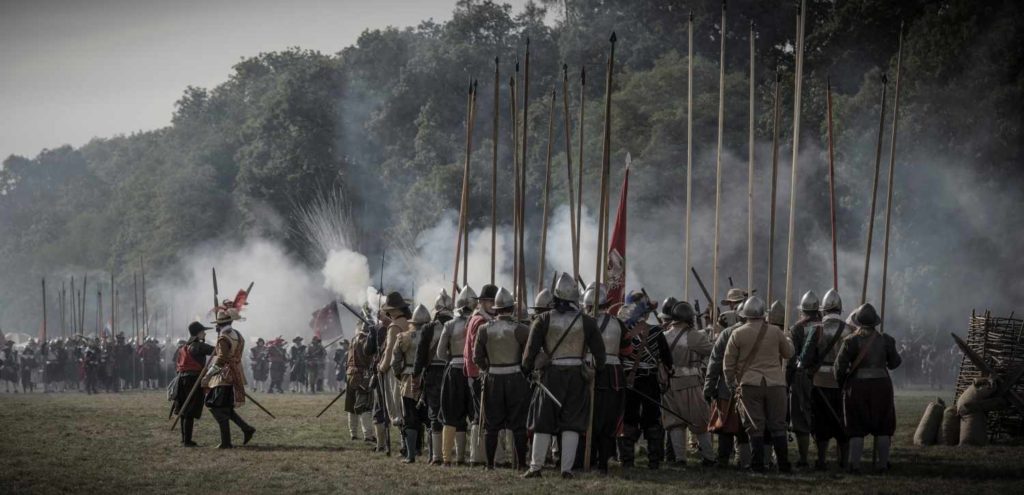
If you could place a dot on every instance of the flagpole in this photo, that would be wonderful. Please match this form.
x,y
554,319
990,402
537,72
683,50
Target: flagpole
x,y
689,155
797,92
718,173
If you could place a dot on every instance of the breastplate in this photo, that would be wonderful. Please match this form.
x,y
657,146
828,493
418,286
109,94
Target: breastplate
x,y
572,344
457,335
502,347
611,335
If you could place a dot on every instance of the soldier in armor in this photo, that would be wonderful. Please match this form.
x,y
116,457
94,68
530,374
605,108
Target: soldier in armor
x,y
277,360
755,374
725,419
10,366
28,364
403,361
818,360
729,317
358,399
189,362
609,381
506,392
316,357
566,335
862,372
456,398
91,364
397,314
259,365
483,314
689,348
801,414
225,380
645,366
542,303
430,369
297,364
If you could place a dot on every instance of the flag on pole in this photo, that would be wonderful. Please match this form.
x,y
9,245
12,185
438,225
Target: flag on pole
x,y
326,322
615,269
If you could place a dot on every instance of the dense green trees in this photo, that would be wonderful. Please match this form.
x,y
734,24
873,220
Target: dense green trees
x,y
382,121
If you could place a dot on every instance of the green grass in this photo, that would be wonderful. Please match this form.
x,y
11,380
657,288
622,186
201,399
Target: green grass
x,y
121,444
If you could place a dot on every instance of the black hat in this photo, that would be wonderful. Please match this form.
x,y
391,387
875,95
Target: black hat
x,y
488,292
195,327
866,316
394,300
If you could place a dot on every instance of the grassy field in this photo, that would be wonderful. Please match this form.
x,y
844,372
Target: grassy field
x,y
118,444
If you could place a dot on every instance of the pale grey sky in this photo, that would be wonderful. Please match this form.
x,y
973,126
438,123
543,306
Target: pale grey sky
x,y
71,70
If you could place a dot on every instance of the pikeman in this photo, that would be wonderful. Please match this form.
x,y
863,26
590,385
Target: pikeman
x,y
456,398
725,419
484,313
756,377
358,398
542,303
801,414
566,335
646,372
862,371
225,379
189,362
506,392
396,321
609,381
818,359
689,348
729,317
430,370
403,361
278,362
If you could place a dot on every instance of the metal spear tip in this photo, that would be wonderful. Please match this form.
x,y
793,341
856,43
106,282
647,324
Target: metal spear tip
x,y
723,4
614,38
691,16
583,75
885,78
565,68
495,60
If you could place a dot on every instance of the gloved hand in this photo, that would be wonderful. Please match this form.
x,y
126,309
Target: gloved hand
x,y
212,371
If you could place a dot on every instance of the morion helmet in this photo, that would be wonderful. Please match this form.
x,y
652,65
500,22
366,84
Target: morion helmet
x,y
831,302
544,300
665,312
682,311
592,292
466,299
420,314
777,314
753,307
809,303
443,303
504,300
566,288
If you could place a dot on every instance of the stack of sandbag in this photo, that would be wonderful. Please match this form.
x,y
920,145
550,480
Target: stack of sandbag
x,y
950,432
927,432
971,407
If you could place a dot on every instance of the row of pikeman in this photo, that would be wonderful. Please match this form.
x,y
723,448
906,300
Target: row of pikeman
x,y
594,382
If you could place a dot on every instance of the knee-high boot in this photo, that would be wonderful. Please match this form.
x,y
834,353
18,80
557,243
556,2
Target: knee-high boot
x,y
781,445
883,443
247,431
757,453
490,447
224,424
411,438
803,446
655,436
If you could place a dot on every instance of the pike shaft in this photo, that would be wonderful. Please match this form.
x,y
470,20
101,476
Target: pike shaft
x,y
718,167
832,184
796,155
568,170
750,174
892,168
775,182
579,171
602,227
874,194
547,194
494,170
689,155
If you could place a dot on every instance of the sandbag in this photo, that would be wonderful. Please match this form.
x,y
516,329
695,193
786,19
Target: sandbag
x,y
927,432
949,434
971,409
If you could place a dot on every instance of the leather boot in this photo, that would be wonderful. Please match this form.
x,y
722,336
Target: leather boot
x,y
725,449
187,425
411,438
490,447
757,453
247,431
655,436
781,444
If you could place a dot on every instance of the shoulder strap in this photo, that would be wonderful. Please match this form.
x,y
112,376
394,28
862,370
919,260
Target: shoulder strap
x,y
835,339
753,352
676,340
863,353
564,333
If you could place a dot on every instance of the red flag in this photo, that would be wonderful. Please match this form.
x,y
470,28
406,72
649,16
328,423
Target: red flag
x,y
615,269
326,323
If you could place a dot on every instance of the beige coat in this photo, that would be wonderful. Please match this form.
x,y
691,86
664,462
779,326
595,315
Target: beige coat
x,y
770,362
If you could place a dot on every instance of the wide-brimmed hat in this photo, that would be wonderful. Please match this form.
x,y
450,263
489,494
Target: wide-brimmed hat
x,y
394,300
488,292
866,316
297,339
227,316
734,295
195,327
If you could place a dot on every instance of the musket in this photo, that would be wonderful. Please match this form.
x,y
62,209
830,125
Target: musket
x,y
718,161
797,98
356,314
247,396
711,302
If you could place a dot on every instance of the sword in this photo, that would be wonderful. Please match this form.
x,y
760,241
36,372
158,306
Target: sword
x,y
247,396
548,393
660,405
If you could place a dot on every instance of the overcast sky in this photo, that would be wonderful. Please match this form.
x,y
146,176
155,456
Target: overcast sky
x,y
71,70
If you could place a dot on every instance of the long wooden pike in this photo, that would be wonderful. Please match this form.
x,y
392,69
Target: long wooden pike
x,y
44,315
465,221
465,187
567,124
494,170
797,92
522,181
547,194
113,302
513,111
718,166
750,172
601,227
775,182
892,168
875,191
145,304
81,303
689,154
579,170
832,182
